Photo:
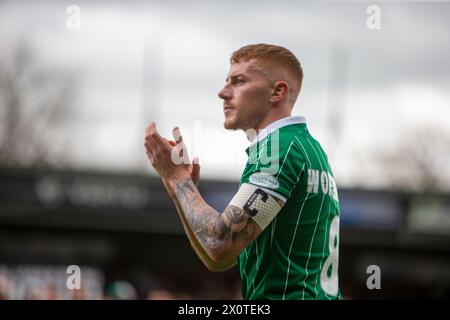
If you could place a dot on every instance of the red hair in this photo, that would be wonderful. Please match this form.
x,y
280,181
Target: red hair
x,y
272,55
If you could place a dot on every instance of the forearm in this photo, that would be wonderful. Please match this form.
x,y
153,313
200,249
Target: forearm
x,y
206,224
197,246
222,235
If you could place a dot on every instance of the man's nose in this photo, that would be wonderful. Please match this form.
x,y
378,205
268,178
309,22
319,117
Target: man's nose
x,y
225,93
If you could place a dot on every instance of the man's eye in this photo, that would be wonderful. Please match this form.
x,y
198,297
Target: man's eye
x,y
240,81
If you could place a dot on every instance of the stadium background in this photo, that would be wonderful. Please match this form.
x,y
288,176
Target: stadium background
x,y
76,189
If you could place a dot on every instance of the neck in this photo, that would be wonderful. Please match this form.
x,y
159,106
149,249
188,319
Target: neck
x,y
252,134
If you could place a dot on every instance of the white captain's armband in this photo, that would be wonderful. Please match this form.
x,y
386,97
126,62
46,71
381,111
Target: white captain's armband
x,y
258,202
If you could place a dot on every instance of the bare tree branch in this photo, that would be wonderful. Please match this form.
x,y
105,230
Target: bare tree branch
x,y
36,104
420,161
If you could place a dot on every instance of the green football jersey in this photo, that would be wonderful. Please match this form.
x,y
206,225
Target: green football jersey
x,y
296,255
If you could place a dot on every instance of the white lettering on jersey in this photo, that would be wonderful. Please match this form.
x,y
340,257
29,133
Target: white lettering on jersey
x,y
313,181
327,183
324,181
333,189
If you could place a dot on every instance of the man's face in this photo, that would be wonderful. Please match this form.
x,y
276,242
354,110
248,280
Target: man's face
x,y
246,96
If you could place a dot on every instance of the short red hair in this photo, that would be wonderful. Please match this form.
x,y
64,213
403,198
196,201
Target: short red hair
x,y
273,55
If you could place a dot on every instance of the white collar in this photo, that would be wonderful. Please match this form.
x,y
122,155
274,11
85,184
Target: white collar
x,y
287,121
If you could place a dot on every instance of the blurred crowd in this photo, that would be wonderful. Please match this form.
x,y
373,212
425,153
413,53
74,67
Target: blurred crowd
x,y
34,286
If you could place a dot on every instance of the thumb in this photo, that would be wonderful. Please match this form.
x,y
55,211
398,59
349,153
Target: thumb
x,y
196,164
195,171
171,142
176,133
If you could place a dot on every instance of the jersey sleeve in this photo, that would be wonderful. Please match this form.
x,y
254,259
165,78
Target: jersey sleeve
x,y
275,164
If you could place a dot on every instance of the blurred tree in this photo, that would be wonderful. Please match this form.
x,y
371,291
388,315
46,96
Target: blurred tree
x,y
419,161
36,103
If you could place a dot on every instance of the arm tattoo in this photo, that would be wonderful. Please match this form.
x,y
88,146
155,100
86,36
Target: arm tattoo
x,y
211,227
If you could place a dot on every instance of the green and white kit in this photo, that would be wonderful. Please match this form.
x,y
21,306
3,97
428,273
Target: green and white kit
x,y
296,255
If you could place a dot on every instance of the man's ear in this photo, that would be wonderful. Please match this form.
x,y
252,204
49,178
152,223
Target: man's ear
x,y
280,91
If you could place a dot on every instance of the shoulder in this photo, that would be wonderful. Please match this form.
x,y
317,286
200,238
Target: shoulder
x,y
288,141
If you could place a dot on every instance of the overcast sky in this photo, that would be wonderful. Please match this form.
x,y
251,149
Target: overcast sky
x,y
138,61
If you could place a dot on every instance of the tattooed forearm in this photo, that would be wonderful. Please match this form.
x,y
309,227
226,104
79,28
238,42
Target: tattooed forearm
x,y
246,233
200,216
234,214
211,227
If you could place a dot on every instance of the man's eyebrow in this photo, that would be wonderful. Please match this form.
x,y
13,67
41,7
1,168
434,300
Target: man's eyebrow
x,y
234,76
